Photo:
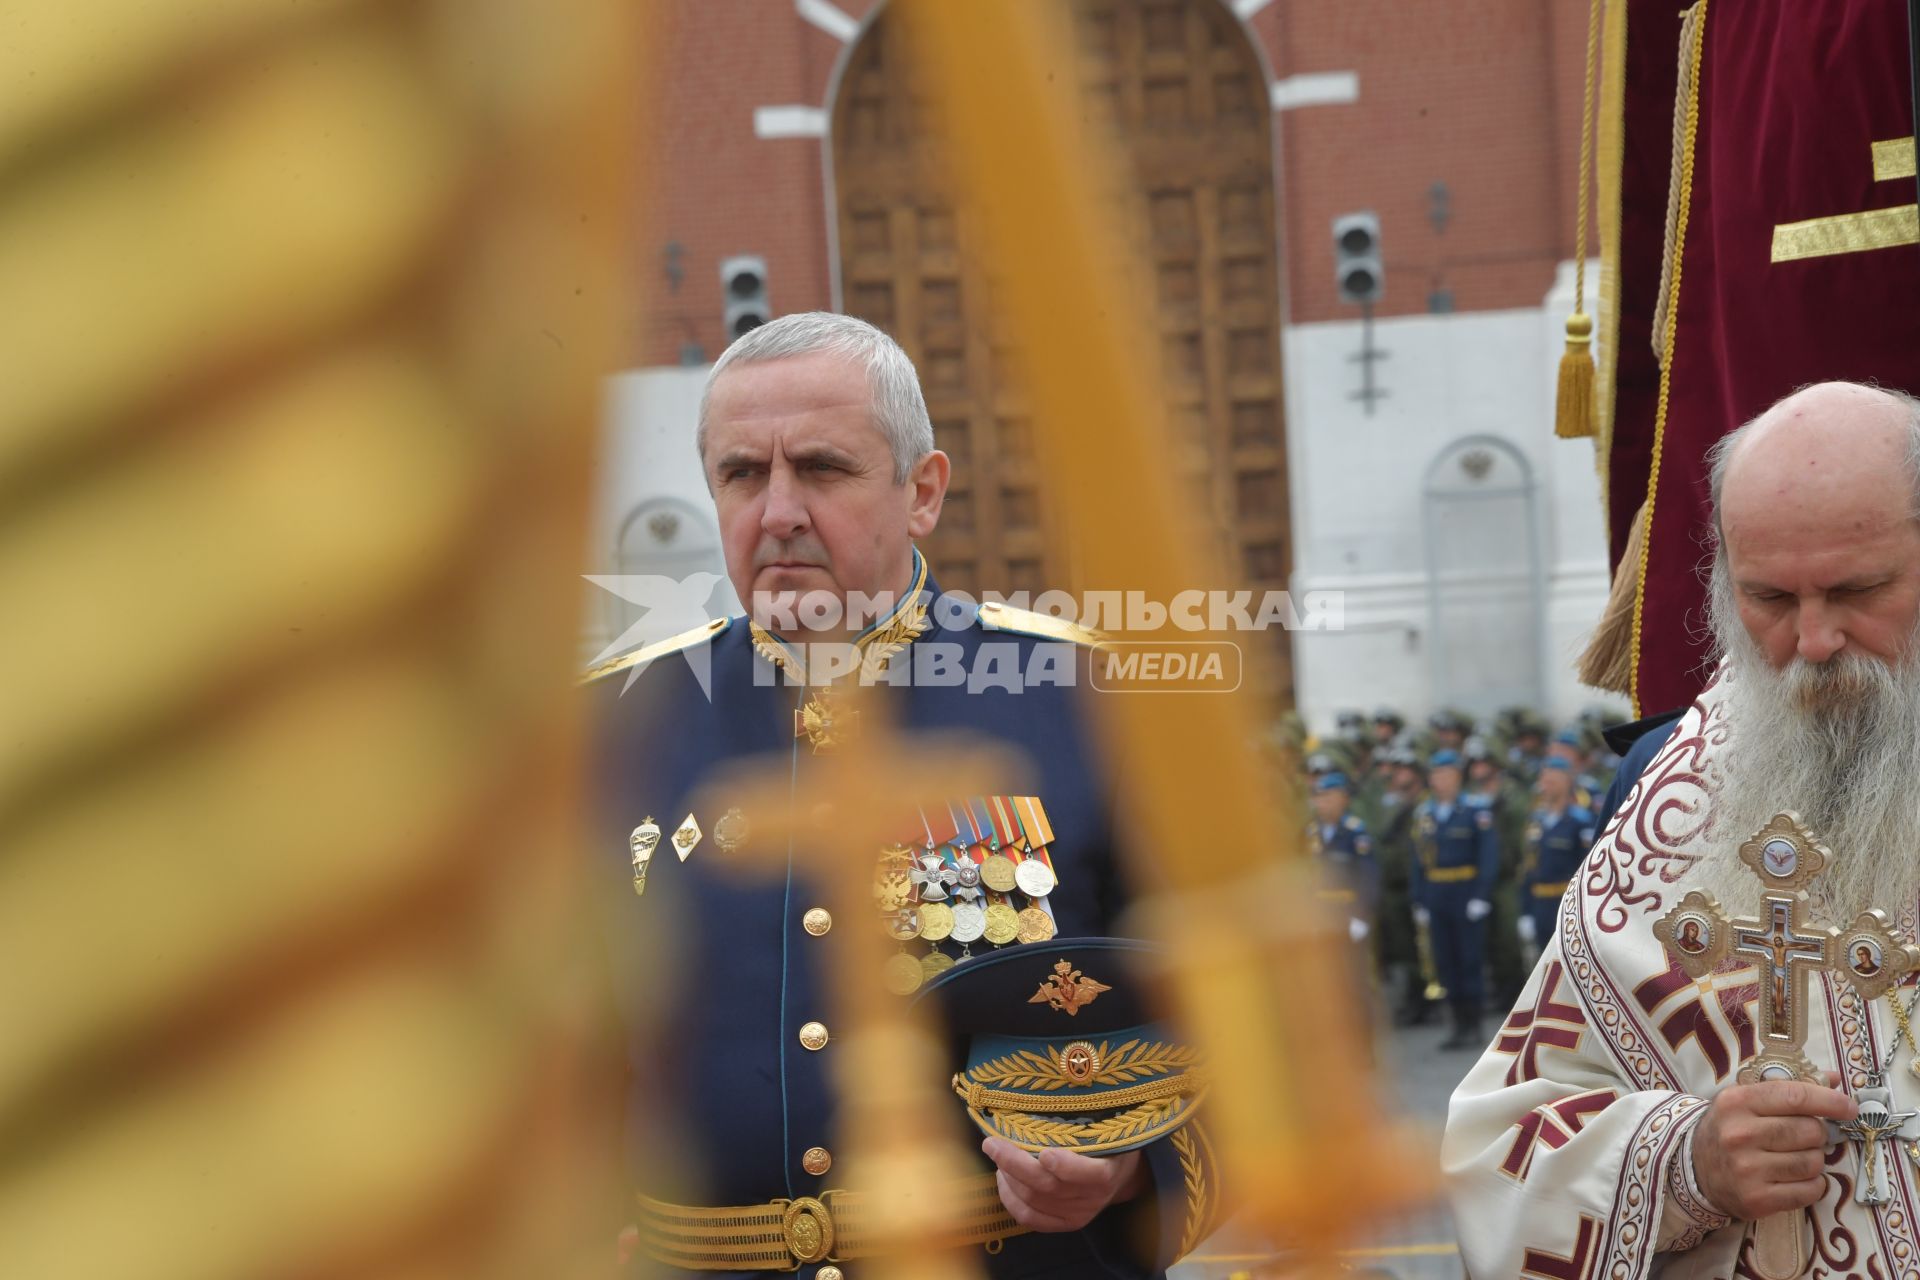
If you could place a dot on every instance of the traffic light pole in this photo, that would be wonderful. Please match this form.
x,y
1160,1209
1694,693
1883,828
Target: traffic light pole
x,y
1367,356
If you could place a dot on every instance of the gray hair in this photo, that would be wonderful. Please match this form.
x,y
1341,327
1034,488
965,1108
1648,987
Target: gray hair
x,y
899,410
1720,456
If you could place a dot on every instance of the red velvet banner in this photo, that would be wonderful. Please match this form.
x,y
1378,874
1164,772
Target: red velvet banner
x,y
1797,265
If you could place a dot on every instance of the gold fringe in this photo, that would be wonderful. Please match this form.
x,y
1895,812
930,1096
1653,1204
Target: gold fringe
x,y
1607,662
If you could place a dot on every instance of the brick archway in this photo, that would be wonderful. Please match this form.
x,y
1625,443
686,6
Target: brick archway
x,y
1183,84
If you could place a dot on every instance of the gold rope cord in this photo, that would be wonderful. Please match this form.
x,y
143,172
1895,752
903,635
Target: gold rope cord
x,y
1670,316
1611,139
1679,181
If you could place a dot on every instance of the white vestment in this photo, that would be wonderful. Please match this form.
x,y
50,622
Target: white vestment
x,y
1566,1151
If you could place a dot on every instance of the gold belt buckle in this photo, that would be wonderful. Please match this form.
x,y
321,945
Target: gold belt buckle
x,y
808,1226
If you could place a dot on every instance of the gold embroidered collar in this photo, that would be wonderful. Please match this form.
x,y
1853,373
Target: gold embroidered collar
x,y
877,644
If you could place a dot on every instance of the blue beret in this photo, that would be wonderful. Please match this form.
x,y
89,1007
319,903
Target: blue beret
x,y
1555,763
1568,737
1444,759
1331,781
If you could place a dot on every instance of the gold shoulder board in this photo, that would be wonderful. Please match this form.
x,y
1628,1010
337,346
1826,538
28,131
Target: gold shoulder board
x,y
658,649
995,616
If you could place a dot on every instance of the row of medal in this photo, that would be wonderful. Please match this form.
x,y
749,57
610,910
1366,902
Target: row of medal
x,y
960,885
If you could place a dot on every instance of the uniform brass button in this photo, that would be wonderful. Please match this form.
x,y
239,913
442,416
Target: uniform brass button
x,y
817,921
813,1035
817,1160
829,1273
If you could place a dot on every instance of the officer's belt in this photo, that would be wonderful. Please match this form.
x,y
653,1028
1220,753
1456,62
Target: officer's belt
x,y
784,1235
1550,890
1452,875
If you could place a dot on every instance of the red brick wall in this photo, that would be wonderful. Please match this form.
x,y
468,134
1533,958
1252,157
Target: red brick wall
x,y
1483,95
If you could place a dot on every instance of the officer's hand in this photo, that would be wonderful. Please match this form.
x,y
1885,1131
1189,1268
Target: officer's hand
x,y
1357,929
1422,917
1761,1148
1478,908
1059,1190
1525,927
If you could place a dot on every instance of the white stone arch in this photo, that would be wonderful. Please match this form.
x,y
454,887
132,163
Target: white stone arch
x,y
670,537
1486,576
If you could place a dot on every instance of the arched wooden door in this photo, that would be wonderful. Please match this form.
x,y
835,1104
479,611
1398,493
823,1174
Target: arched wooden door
x,y
1183,87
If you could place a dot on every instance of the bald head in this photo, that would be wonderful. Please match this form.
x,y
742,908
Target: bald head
x,y
1831,447
1815,503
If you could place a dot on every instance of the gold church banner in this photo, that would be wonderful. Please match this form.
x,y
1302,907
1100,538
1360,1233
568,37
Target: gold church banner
x,y
306,307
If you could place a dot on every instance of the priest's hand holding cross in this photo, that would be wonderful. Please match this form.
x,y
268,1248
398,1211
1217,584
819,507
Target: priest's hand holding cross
x,y
1761,1148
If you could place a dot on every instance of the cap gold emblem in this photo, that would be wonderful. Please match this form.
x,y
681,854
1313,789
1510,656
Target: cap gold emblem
x,y
1067,990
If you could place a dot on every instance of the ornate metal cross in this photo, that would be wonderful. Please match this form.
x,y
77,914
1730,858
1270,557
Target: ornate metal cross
x,y
1784,945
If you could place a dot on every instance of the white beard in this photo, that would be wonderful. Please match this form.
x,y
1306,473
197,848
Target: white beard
x,y
1837,742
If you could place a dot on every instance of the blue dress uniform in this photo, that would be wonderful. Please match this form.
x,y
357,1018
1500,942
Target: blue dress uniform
x,y
1350,877
1457,862
1556,846
721,974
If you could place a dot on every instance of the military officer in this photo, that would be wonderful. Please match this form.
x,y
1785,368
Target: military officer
x,y
1570,746
817,449
1350,877
1387,724
1527,746
1488,784
1458,859
1559,837
1449,729
1399,952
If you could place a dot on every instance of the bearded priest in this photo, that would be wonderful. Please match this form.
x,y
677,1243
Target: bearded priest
x,y
1606,1132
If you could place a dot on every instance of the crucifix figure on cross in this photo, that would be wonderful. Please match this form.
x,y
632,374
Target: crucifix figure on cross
x,y
1785,946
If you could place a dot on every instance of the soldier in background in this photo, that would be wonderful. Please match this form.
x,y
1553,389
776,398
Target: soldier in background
x,y
1491,786
1559,836
1394,934
1526,746
1456,864
1447,730
1388,725
1350,879
1570,746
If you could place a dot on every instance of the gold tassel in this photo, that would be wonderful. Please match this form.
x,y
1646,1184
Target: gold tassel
x,y
1608,660
1573,405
